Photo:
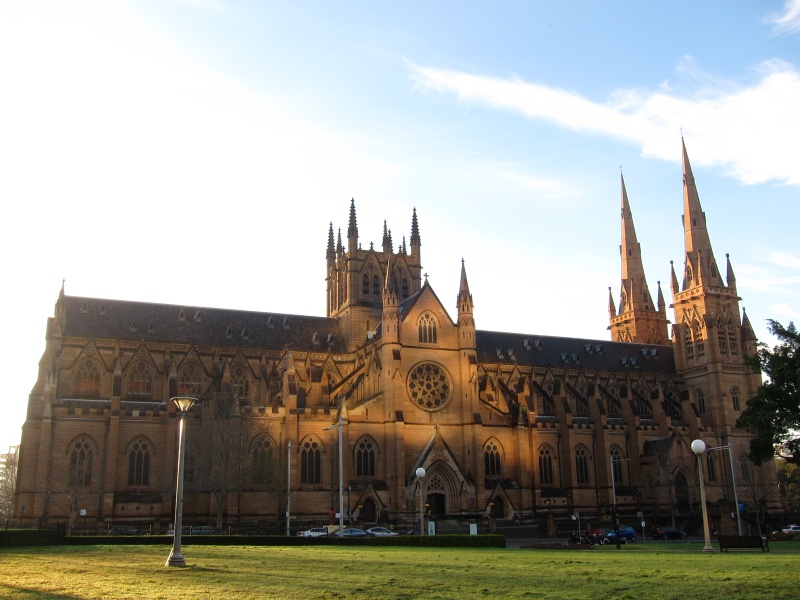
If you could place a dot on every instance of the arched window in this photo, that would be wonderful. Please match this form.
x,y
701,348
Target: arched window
x,y
365,285
733,338
190,381
427,329
365,458
240,384
376,286
711,469
722,334
139,463
545,465
80,463
582,465
262,460
87,379
700,400
492,464
735,397
405,288
140,380
688,342
310,462
616,464
697,334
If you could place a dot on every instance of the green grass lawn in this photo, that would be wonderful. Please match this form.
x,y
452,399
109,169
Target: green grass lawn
x,y
636,571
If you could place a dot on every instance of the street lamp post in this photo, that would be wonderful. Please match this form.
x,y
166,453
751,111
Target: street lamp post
x,y
175,558
420,472
699,447
341,473
729,448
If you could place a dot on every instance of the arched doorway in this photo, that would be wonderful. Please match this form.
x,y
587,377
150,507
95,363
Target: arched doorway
x,y
368,512
436,504
497,508
681,492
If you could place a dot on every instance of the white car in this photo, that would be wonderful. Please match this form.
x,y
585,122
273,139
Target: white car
x,y
314,532
791,529
382,532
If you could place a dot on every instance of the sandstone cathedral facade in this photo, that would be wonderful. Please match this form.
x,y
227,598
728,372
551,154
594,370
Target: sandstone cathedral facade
x,y
508,425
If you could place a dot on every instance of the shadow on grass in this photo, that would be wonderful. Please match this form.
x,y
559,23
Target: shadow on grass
x,y
16,591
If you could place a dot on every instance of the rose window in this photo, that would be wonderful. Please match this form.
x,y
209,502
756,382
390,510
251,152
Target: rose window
x,y
429,386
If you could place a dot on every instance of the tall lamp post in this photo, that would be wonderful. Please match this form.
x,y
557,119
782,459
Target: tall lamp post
x,y
699,447
729,448
341,473
175,557
420,472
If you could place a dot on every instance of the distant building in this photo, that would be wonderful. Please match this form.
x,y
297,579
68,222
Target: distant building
x,y
512,425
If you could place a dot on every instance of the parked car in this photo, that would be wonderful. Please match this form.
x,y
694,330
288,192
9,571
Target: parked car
x,y
626,534
185,530
668,533
123,530
314,532
791,529
352,532
204,530
381,532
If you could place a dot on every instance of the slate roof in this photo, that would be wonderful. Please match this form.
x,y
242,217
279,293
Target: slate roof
x,y
169,323
545,350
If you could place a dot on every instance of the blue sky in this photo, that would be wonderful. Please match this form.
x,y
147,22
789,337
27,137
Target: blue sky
x,y
195,152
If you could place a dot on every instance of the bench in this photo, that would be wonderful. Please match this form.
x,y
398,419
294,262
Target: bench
x,y
742,542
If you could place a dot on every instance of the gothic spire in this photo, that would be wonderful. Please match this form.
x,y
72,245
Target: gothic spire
x,y
331,252
352,228
731,278
634,294
696,240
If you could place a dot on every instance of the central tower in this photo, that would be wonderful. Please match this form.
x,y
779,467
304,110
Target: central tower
x,y
356,277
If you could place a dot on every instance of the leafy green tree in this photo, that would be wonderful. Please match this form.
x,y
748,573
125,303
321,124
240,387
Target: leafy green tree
x,y
774,413
789,481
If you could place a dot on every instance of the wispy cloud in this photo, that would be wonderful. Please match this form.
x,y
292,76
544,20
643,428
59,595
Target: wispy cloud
x,y
785,259
765,114
787,21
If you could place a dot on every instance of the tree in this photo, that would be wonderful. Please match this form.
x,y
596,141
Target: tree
x,y
789,481
773,414
8,482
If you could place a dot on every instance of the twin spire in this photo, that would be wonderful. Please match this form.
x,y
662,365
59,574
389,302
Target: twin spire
x,y
636,309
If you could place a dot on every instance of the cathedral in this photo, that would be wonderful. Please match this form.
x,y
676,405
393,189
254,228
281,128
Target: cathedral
x,y
510,426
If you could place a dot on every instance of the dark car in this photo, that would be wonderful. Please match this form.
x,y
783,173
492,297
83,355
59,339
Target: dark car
x,y
626,534
668,533
123,530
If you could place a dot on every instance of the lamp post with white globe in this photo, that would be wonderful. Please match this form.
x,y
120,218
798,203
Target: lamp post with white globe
x,y
699,447
175,558
420,472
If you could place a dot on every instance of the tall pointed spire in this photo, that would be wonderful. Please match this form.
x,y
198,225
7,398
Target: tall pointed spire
x,y
466,322
415,240
352,229
464,295
612,310
331,252
635,294
696,240
731,278
637,319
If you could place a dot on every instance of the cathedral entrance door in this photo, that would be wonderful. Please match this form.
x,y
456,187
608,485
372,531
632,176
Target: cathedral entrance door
x,y
437,505
368,514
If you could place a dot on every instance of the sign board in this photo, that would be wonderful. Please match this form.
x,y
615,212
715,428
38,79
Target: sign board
x,y
473,529
83,512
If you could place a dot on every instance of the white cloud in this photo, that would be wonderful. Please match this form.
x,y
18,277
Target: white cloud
x,y
787,21
785,259
744,128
